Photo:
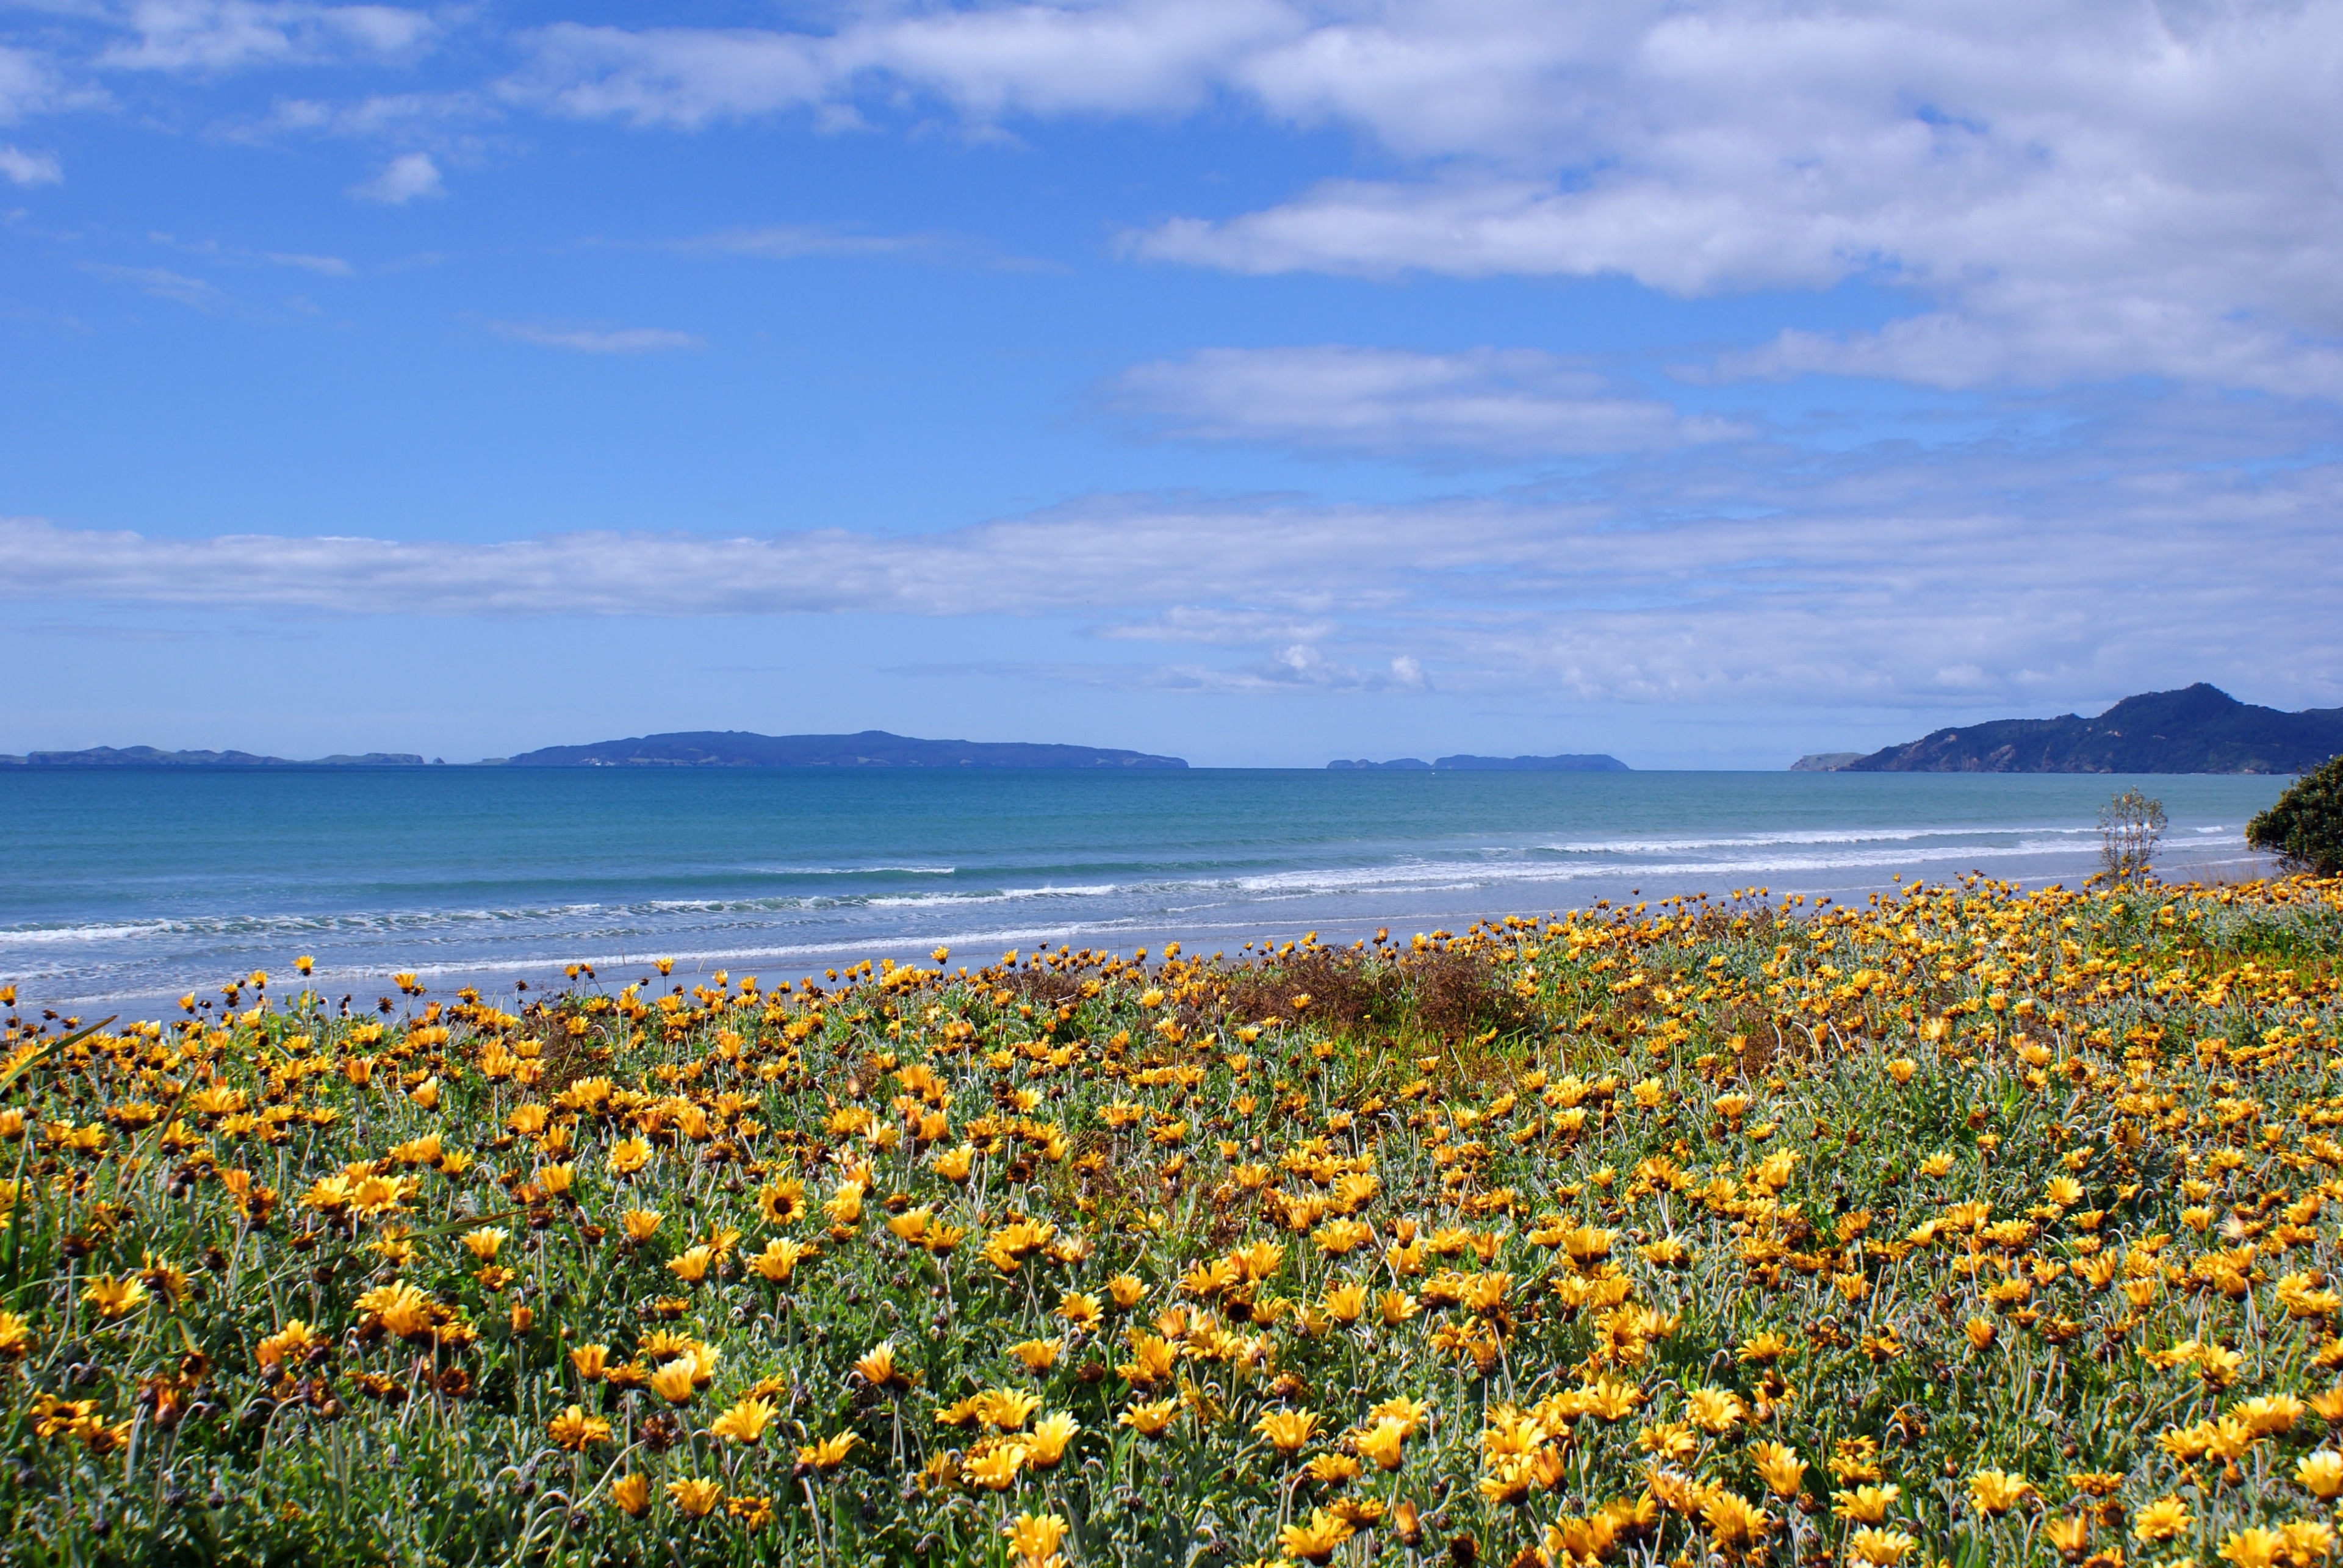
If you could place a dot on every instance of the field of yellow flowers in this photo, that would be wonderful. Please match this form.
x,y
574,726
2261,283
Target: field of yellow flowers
x,y
1966,1225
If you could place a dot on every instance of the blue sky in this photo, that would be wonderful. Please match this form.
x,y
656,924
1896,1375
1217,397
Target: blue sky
x,y
1265,382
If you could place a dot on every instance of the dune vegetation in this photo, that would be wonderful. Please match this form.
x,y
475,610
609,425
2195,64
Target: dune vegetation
x,y
1964,1225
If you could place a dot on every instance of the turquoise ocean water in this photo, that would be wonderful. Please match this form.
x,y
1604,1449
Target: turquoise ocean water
x,y
119,889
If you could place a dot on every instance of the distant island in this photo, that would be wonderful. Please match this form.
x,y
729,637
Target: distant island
x,y
1567,763
2200,730
870,748
148,757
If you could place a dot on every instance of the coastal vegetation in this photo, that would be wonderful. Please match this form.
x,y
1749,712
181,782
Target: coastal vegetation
x,y
1961,1225
2304,827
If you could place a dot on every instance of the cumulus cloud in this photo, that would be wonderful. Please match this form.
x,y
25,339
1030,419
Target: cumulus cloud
x,y
1992,573
596,340
402,180
213,37
1501,402
2083,189
20,168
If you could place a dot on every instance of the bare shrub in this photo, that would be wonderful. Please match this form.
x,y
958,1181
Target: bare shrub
x,y
2131,827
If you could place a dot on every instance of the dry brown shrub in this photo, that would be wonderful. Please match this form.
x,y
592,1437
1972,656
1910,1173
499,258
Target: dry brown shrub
x,y
1349,993
1766,1045
1044,987
1720,925
1457,994
563,1059
1449,994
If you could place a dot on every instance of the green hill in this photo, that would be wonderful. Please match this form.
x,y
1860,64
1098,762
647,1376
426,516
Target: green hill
x,y
2201,729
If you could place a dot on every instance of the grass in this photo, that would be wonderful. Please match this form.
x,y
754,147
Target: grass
x,y
1968,1226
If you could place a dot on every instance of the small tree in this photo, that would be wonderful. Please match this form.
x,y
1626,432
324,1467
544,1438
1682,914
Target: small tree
x,y
2131,826
2304,827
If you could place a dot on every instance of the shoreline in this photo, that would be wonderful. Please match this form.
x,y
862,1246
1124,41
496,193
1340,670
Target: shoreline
x,y
1197,939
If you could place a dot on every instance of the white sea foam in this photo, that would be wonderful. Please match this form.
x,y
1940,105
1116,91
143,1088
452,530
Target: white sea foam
x,y
1671,846
1108,879
852,871
1776,854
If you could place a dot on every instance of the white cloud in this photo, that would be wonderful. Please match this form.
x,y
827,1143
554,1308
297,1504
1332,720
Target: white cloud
x,y
1136,57
30,84
1990,574
437,120
1298,668
1222,626
594,340
20,168
794,242
402,180
162,284
2081,189
322,266
1681,241
1503,402
673,76
23,82
212,37
2060,333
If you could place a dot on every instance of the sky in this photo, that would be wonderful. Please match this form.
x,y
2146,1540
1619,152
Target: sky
x,y
1258,381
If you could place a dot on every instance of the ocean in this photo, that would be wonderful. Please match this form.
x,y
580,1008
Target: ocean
x,y
123,889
